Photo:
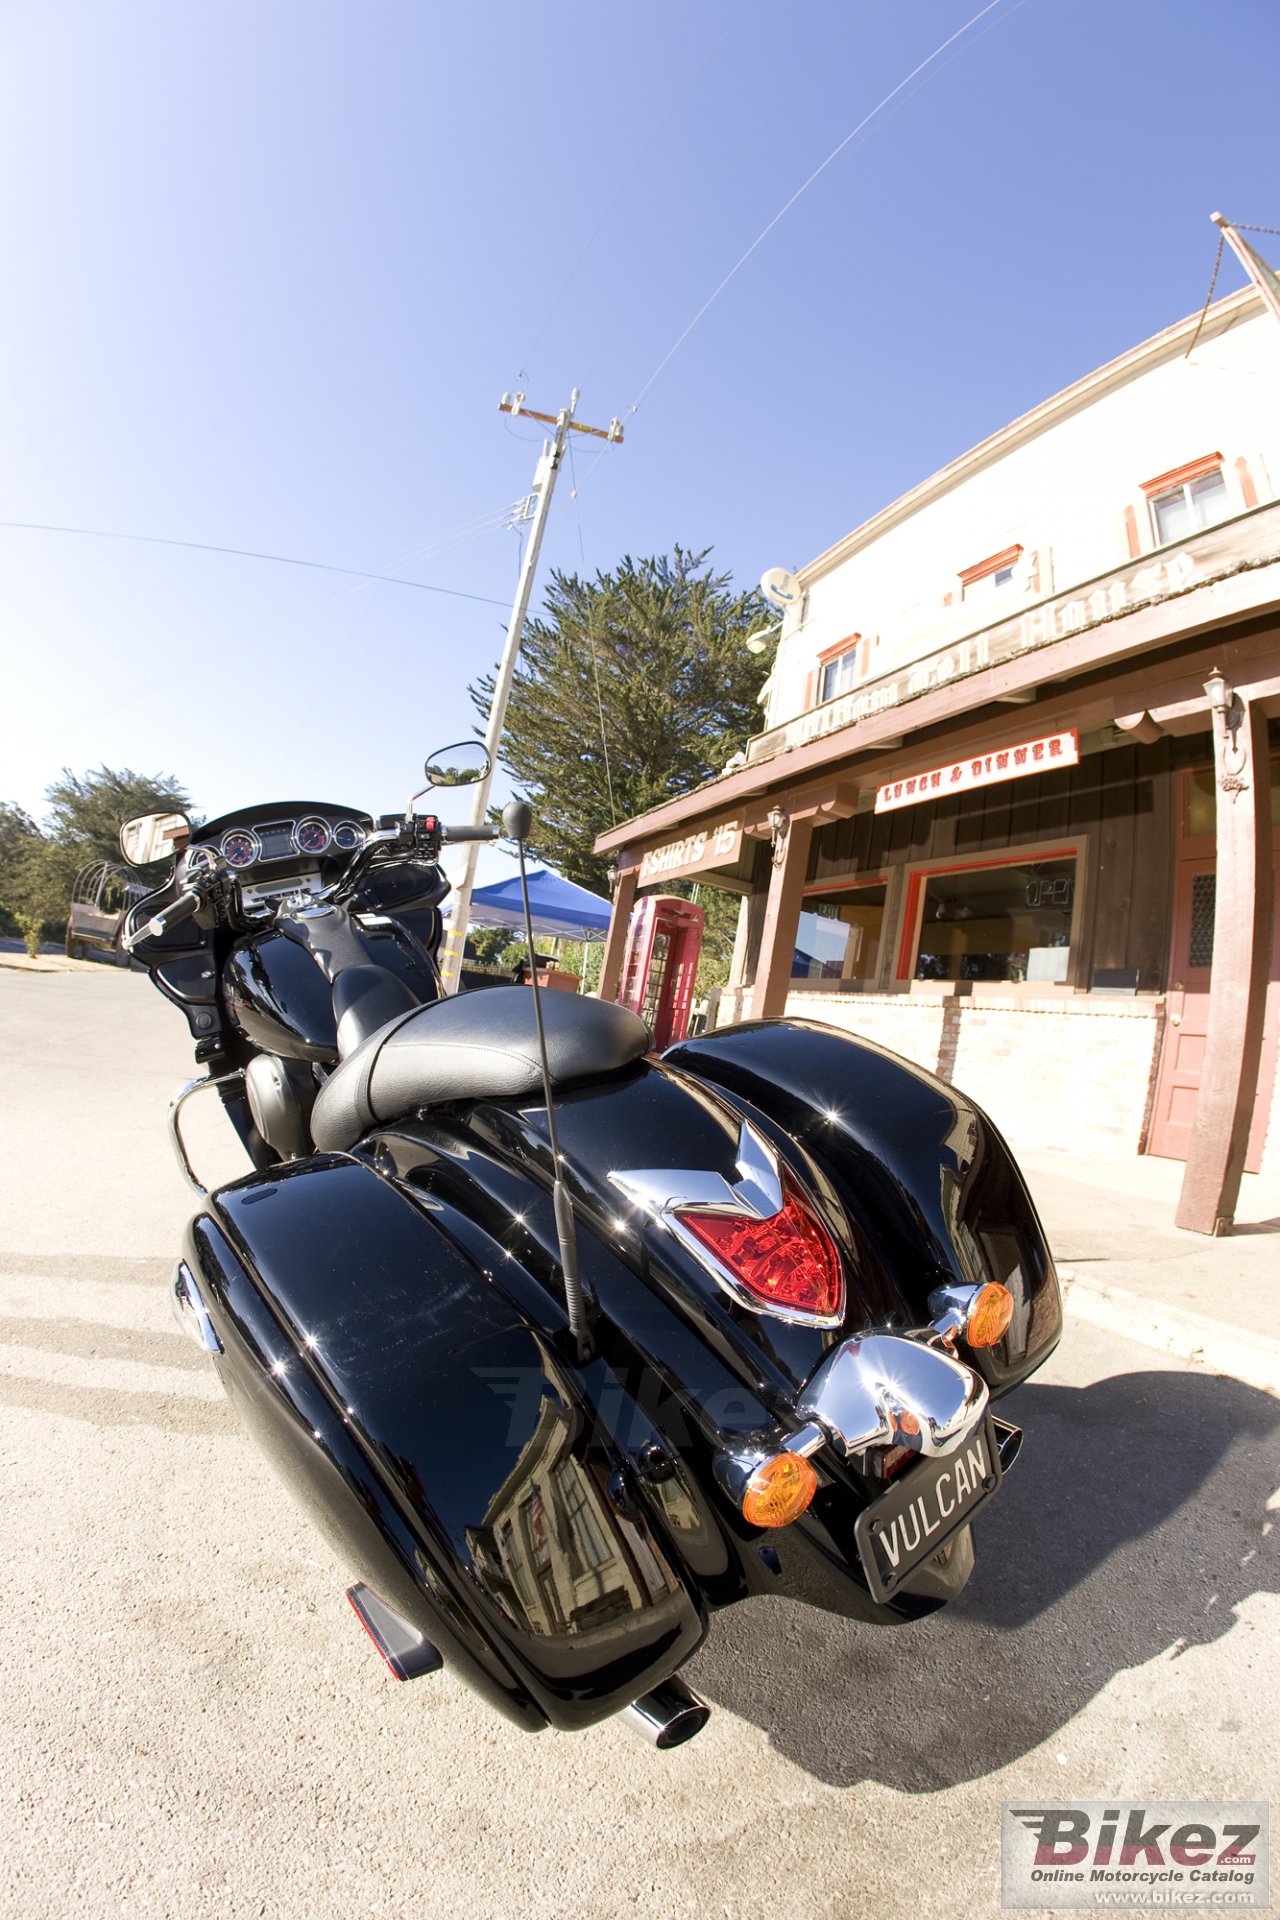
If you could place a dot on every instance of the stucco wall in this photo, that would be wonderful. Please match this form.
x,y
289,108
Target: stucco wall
x,y
1060,494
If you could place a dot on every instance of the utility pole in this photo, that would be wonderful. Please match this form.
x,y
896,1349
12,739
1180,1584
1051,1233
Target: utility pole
x,y
1262,274
544,481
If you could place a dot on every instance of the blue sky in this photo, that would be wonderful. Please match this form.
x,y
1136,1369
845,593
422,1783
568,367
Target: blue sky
x,y
268,267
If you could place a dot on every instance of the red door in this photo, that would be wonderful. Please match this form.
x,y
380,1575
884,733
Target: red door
x,y
1190,971
1187,1010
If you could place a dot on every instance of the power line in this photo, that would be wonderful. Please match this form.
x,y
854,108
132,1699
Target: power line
x,y
765,231
250,553
630,174
782,212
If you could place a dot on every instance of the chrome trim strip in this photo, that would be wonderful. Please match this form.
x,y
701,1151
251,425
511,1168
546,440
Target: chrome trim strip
x,y
189,1310
666,1192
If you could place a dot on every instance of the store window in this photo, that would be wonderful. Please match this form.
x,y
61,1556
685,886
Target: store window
x,y
1008,922
838,938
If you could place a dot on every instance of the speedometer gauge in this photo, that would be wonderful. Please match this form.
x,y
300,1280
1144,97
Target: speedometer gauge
x,y
311,835
240,847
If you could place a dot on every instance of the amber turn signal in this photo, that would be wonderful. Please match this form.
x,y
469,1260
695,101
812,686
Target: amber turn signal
x,y
989,1316
779,1490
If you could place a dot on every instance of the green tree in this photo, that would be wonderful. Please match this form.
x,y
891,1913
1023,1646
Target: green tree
x,y
85,810
16,828
35,885
38,869
632,688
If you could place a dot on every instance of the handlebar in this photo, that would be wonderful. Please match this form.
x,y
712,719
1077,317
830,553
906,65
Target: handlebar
x,y
178,910
453,835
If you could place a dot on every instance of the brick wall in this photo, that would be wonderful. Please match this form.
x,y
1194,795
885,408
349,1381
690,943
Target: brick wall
x,y
909,1024
1073,1073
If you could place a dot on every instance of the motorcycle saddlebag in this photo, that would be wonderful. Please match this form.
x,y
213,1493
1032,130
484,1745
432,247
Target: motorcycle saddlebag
x,y
452,1456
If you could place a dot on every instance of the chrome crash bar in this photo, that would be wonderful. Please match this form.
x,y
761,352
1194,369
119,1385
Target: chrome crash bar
x,y
176,1105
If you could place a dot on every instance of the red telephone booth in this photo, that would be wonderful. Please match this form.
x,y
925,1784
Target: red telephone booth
x,y
660,963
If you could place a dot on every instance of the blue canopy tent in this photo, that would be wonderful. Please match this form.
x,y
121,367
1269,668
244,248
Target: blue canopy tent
x,y
559,908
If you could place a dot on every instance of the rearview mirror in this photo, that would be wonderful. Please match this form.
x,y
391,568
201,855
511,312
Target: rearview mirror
x,y
154,836
461,765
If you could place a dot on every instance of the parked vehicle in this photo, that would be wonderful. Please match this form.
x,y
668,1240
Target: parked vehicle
x,y
565,1346
101,896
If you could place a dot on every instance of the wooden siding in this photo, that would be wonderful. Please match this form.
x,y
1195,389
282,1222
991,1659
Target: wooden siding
x,y
1120,802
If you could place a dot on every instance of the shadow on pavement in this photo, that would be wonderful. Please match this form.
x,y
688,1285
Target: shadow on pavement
x,y
1133,1523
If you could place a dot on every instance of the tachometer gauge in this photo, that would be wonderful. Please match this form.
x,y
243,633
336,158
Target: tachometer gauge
x,y
198,859
311,835
348,836
240,847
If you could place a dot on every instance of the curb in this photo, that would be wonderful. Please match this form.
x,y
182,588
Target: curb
x,y
46,963
1252,1358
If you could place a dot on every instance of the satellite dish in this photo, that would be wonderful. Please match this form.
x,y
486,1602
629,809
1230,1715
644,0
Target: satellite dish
x,y
780,588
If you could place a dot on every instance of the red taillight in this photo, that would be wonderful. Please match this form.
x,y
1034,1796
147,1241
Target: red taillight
x,y
788,1260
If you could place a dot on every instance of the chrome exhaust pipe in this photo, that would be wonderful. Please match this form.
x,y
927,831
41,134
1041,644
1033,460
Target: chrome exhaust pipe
x,y
668,1716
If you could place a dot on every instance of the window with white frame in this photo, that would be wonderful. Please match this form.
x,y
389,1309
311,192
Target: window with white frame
x,y
1181,510
996,574
839,673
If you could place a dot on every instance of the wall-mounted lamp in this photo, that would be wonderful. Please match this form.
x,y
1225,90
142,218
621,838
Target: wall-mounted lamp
x,y
1225,704
766,637
613,873
1219,690
779,828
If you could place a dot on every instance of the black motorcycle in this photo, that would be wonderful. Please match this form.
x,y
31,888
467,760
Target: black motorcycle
x,y
562,1344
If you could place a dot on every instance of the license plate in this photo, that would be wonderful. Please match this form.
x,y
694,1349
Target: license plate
x,y
922,1509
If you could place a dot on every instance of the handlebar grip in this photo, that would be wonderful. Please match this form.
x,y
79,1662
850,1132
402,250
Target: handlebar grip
x,y
455,834
180,909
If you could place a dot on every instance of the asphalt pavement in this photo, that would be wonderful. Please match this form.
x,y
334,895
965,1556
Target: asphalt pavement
x,y
196,1725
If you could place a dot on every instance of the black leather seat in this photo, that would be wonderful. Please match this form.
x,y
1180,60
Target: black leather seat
x,y
364,999
474,1046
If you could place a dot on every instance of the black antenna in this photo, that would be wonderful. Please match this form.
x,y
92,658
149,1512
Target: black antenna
x,y
517,818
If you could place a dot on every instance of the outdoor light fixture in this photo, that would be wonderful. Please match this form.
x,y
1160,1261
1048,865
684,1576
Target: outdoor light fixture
x,y
613,873
1219,691
766,637
1226,704
779,827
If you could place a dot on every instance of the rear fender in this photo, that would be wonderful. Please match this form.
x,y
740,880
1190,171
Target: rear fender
x,y
921,1168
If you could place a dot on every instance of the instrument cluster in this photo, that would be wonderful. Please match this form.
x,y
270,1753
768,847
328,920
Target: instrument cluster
x,y
308,839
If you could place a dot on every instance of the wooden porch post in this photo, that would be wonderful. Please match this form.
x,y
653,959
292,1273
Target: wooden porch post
x,y
781,920
616,938
1238,984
